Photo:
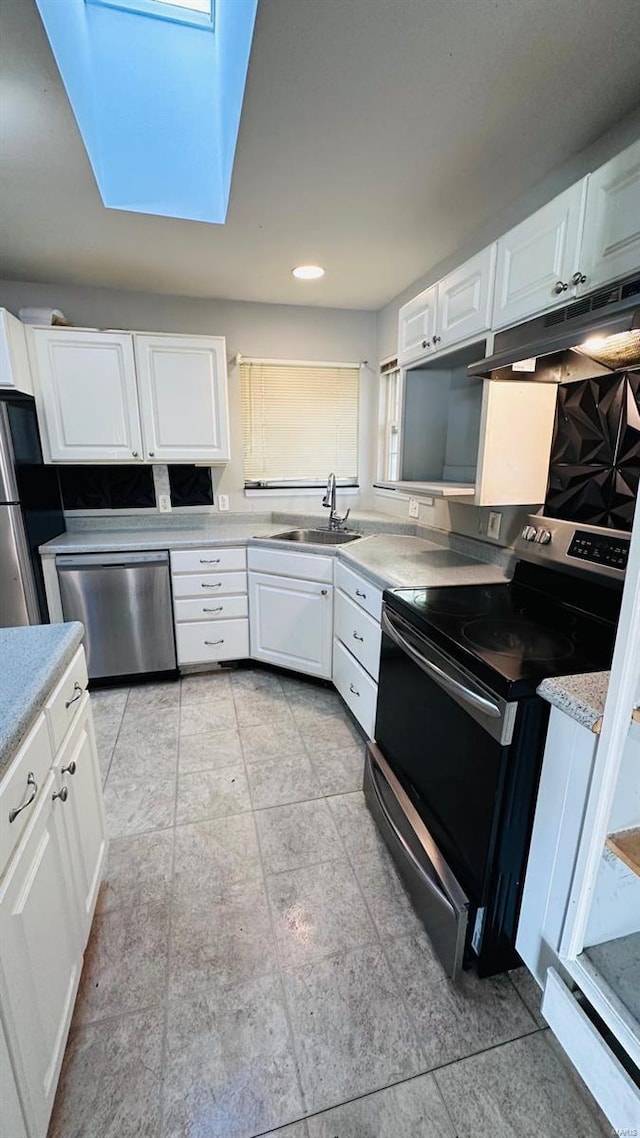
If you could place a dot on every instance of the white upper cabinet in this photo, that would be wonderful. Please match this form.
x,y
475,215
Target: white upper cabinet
x,y
537,266
15,372
86,395
611,242
452,311
465,298
182,382
417,327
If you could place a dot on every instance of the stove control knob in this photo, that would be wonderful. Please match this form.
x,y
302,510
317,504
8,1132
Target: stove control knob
x,y
542,536
529,533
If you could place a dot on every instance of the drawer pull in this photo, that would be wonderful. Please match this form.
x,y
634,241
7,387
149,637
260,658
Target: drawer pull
x,y
354,690
359,594
212,643
357,637
204,585
218,608
70,768
31,781
209,560
62,794
79,692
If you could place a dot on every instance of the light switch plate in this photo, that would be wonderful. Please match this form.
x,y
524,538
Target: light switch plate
x,y
494,523
164,503
223,501
414,508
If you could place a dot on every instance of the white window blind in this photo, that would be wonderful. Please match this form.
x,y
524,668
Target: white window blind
x,y
300,421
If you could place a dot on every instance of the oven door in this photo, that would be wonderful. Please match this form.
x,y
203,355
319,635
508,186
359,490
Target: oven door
x,y
446,738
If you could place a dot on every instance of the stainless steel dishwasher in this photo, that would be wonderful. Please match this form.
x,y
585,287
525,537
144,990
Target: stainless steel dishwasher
x,y
124,602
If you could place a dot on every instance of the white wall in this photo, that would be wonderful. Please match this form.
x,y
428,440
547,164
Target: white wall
x,y
268,330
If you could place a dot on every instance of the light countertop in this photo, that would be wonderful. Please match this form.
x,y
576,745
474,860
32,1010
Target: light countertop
x,y
580,697
394,561
32,659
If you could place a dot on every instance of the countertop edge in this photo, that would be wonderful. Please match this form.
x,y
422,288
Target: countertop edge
x,y
581,697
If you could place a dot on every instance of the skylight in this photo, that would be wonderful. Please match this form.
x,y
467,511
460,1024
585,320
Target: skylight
x,y
198,13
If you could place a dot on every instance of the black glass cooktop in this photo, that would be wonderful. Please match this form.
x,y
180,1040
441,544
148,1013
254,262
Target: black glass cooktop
x,y
512,636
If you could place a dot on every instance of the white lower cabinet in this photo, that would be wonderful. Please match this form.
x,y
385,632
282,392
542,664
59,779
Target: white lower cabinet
x,y
210,604
356,645
211,641
49,884
291,623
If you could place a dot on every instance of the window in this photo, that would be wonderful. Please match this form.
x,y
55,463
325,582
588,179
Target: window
x,y
300,421
197,13
390,413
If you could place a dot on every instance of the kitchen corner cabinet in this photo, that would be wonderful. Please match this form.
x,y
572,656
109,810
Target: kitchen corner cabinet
x,y
49,879
291,610
15,371
611,241
127,397
449,313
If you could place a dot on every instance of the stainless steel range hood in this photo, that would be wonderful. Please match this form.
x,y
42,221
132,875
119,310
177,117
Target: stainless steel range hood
x,y
604,326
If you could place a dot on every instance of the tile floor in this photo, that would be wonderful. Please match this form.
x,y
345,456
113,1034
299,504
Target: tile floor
x,y
255,966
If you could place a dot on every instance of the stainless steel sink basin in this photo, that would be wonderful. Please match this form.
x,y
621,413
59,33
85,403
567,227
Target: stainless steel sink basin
x,y
317,536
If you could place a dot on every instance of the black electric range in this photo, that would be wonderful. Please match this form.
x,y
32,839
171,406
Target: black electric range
x,y
452,776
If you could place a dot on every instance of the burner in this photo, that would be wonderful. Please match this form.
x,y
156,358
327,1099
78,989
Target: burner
x,y
518,638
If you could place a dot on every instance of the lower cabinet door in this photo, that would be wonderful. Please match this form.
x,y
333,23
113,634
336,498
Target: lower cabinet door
x,y
12,1124
210,641
291,623
79,772
41,955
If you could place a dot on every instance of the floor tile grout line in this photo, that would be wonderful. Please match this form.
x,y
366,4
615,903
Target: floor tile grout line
x,y
281,983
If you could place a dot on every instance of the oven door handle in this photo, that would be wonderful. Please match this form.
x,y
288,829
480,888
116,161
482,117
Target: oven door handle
x,y
464,693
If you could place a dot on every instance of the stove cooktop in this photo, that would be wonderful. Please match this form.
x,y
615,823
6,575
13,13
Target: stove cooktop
x,y
512,636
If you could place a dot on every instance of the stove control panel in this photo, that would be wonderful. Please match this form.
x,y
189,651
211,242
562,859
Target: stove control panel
x,y
600,549
537,533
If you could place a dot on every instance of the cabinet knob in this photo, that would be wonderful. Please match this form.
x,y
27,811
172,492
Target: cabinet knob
x,y
437,339
426,343
578,278
324,592
134,453
151,453
71,768
560,286
62,794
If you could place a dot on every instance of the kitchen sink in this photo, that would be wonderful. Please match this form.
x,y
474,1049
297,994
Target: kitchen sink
x,y
317,536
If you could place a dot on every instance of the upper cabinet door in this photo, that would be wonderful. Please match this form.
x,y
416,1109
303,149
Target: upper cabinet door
x,y
465,298
15,372
86,396
611,242
182,382
538,259
416,327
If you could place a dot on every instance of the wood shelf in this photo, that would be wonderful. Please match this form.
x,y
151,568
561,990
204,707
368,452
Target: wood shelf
x,y
626,846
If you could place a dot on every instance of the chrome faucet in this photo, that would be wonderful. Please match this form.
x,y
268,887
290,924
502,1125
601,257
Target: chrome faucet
x,y
329,501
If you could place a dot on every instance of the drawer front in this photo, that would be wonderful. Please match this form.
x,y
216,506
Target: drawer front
x,y
208,560
606,1078
286,563
205,642
63,705
211,608
359,632
21,785
208,584
360,591
357,689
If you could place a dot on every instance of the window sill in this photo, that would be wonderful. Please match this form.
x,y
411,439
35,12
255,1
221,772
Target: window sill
x,y
300,492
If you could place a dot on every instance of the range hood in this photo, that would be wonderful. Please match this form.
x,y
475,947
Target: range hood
x,y
604,326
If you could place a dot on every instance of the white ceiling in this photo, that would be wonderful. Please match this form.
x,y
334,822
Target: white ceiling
x,y
377,135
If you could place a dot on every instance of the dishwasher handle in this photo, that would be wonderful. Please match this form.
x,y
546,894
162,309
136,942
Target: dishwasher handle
x,y
71,562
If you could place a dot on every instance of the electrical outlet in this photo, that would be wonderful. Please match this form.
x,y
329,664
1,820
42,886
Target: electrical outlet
x,y
414,508
164,503
494,523
223,501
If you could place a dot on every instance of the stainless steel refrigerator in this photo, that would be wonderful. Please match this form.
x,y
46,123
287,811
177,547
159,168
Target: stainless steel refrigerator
x,y
30,513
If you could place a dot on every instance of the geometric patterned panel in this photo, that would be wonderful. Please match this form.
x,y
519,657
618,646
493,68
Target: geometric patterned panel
x,y
594,471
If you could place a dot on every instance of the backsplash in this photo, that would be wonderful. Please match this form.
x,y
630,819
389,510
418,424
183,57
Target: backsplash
x,y
124,488
190,485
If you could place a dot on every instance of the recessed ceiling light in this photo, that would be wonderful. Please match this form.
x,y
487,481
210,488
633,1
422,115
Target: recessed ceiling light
x,y
308,272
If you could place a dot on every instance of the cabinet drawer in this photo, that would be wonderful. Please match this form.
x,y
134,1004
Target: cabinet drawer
x,y
34,758
208,584
359,590
359,632
220,608
357,689
208,560
286,563
204,642
63,705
